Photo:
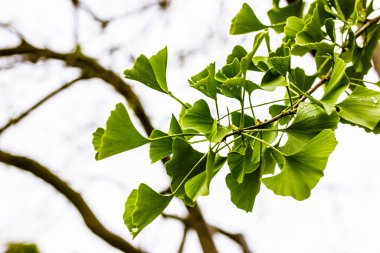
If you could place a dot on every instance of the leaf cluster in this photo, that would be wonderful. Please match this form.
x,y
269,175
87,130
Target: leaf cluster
x,y
288,152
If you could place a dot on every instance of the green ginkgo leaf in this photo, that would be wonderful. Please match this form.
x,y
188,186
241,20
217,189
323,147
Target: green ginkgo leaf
x,y
272,79
205,81
361,107
243,194
198,117
200,184
310,120
120,135
97,138
246,21
337,84
278,16
185,164
151,72
160,145
142,207
293,26
303,168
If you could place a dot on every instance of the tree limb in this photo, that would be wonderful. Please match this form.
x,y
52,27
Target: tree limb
x,y
90,67
38,104
74,197
238,238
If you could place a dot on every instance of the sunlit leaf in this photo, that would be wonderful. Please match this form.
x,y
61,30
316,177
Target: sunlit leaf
x,y
246,21
293,26
205,81
310,121
142,207
185,164
336,86
303,169
151,72
272,79
198,117
361,107
278,16
280,59
120,135
200,184
160,148
243,195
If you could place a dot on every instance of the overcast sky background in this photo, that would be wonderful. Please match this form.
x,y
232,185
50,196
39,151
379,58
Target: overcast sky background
x,y
341,216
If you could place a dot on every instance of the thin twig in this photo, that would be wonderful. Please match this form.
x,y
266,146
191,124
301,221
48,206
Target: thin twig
x,y
16,120
74,197
183,241
237,238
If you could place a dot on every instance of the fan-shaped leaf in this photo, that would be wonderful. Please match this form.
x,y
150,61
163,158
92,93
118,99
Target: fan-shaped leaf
x,y
246,21
303,169
142,207
120,135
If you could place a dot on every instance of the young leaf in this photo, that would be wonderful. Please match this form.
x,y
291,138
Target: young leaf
x,y
280,59
312,35
303,168
198,117
185,164
293,26
243,194
120,135
301,80
330,29
159,148
97,138
336,86
205,81
142,207
151,72
346,7
233,87
238,52
272,79
200,184
218,132
310,121
245,21
278,16
174,128
232,69
361,107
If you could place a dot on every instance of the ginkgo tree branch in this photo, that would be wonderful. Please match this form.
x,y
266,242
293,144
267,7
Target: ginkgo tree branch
x,y
90,219
238,238
17,119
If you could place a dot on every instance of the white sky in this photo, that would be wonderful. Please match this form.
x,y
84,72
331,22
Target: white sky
x,y
342,214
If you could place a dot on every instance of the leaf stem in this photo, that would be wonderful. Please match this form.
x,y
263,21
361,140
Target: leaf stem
x,y
178,100
264,142
174,135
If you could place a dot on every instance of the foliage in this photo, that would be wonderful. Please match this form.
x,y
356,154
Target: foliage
x,y
288,152
21,248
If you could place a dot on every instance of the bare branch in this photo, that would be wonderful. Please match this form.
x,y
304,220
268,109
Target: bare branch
x,y
238,238
74,197
183,241
199,224
90,67
14,121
